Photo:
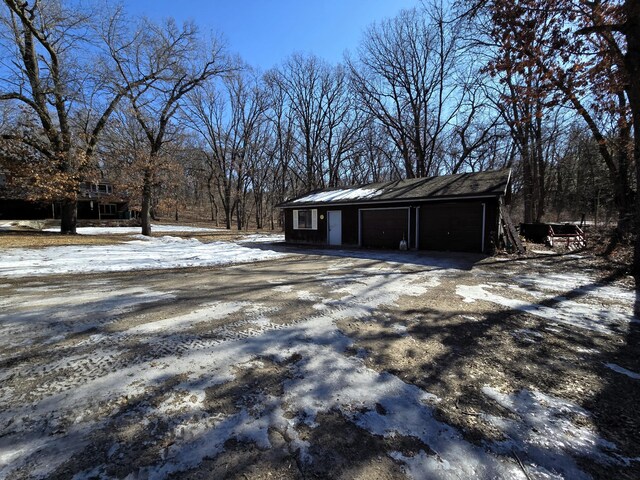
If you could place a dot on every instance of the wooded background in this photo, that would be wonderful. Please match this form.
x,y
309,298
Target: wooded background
x,y
182,126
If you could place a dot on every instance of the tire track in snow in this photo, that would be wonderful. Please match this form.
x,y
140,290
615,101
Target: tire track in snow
x,y
115,353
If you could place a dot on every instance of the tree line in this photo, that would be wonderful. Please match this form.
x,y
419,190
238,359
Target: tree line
x,y
169,114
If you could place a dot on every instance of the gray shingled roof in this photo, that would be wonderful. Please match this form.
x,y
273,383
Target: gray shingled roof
x,y
482,184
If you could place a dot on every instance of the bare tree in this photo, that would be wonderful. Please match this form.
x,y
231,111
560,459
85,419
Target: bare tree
x,y
309,85
588,51
50,70
475,135
280,131
375,158
344,123
176,63
401,75
228,115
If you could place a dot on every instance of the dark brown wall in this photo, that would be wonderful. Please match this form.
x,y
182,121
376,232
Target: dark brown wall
x,y
350,226
491,225
462,217
25,210
318,237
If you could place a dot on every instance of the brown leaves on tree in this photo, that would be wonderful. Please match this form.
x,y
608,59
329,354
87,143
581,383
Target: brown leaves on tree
x,y
33,176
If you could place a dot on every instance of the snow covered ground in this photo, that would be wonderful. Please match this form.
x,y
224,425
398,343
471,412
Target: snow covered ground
x,y
143,253
114,377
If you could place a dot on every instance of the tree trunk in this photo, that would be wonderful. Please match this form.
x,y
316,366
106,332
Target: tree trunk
x,y
228,212
539,170
145,214
214,209
623,200
239,214
259,212
632,60
212,201
527,187
68,216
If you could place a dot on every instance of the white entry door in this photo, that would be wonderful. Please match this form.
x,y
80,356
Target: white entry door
x,y
335,227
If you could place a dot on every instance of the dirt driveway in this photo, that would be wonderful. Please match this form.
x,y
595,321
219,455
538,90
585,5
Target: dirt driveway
x,y
323,365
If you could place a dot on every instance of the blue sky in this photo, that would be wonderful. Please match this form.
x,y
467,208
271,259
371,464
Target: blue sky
x,y
265,32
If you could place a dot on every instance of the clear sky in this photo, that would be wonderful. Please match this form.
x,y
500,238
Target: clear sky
x,y
265,32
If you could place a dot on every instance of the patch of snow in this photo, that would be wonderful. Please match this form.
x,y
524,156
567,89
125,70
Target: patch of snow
x,y
527,335
623,371
553,329
307,296
577,283
140,254
399,328
545,434
49,318
569,312
205,364
203,314
331,381
340,195
262,238
590,351
283,288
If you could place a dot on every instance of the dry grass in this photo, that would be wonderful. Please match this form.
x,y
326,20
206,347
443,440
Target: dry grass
x,y
31,238
38,239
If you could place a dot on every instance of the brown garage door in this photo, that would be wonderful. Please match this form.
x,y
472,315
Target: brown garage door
x,y
454,227
384,228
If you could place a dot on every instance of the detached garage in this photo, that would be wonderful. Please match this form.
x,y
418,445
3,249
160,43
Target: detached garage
x,y
451,213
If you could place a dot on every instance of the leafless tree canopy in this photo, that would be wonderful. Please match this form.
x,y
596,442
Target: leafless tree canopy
x,y
547,87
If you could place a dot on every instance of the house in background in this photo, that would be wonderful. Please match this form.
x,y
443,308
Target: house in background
x,y
96,201
452,212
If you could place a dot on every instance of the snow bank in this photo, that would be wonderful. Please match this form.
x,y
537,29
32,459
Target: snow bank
x,y
141,254
262,238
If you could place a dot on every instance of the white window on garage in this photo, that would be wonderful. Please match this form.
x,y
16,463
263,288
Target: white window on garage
x,y
305,219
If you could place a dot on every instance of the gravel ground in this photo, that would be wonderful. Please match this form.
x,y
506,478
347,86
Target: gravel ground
x,y
330,364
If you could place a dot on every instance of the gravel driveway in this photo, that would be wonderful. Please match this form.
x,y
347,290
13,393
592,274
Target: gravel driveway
x,y
323,365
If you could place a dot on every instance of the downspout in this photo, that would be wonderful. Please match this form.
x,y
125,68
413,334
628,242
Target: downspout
x,y
417,227
408,226
484,218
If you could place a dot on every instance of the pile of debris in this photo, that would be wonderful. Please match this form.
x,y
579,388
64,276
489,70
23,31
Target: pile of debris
x,y
555,234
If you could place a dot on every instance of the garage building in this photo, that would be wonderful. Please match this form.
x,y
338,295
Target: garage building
x,y
451,213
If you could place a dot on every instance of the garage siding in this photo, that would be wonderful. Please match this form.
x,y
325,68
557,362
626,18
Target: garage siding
x,y
449,226
384,228
317,236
